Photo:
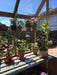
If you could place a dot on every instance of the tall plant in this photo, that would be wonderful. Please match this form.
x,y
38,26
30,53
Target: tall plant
x,y
44,32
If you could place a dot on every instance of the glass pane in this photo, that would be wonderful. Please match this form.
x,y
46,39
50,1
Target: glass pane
x,y
43,9
28,7
52,4
7,5
5,20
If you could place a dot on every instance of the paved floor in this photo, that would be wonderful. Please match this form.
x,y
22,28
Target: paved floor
x,y
52,51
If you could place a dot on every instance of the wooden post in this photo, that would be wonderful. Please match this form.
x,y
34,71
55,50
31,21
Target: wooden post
x,y
34,36
15,42
47,17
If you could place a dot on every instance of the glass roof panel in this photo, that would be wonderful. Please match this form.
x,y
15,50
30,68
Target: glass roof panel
x,y
7,5
28,7
43,9
52,4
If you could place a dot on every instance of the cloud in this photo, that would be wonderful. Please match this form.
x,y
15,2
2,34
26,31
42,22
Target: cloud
x,y
2,22
7,21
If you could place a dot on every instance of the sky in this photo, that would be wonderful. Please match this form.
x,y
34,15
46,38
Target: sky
x,y
25,7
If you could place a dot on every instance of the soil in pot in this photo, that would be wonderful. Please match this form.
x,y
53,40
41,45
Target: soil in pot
x,y
43,54
21,54
35,50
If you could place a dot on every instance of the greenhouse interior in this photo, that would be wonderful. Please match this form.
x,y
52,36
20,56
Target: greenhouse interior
x,y
28,37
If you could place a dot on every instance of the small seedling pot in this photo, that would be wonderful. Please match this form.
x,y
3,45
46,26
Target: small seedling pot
x,y
43,53
35,50
21,54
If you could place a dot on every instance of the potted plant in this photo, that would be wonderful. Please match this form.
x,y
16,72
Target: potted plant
x,y
34,48
9,58
43,47
21,48
34,23
20,25
0,47
28,25
5,43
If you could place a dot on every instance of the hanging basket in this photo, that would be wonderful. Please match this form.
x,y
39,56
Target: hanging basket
x,y
13,27
28,28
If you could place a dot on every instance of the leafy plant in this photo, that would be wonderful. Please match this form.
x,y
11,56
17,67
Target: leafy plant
x,y
34,45
14,20
20,24
28,23
44,32
21,45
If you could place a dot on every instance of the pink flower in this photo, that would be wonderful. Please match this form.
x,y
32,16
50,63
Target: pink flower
x,y
36,17
32,18
32,21
35,20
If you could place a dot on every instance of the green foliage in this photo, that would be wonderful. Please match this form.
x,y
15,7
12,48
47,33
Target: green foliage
x,y
14,20
20,23
34,45
33,24
44,27
21,45
28,24
44,32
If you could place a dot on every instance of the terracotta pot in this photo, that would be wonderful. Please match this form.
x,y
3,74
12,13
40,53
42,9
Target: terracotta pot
x,y
43,53
35,50
28,28
33,28
8,58
21,54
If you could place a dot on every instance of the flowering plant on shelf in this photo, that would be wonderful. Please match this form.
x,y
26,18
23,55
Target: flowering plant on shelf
x,y
34,22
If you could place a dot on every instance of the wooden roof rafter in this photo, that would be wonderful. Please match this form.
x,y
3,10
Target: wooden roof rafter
x,y
7,14
40,7
16,7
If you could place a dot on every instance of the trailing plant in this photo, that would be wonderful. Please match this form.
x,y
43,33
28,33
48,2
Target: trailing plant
x,y
13,23
28,23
